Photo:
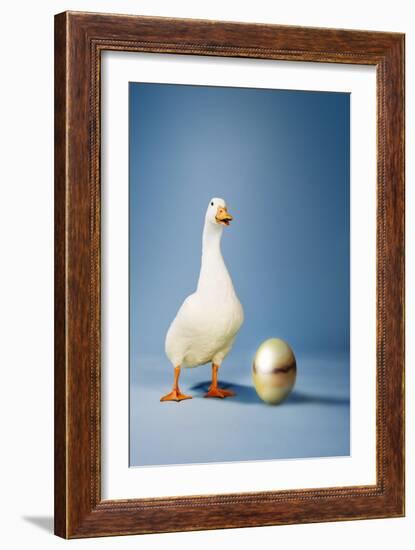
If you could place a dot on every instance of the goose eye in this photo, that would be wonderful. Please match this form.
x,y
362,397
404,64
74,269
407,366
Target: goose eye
x,y
211,204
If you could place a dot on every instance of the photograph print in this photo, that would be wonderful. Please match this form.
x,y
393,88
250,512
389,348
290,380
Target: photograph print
x,y
239,274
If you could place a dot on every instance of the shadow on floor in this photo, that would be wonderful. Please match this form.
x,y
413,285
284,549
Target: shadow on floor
x,y
244,394
43,522
301,397
247,394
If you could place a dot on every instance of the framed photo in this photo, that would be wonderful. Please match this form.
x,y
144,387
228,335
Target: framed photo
x,y
229,275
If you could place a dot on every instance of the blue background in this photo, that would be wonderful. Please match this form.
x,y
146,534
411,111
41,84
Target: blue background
x,y
280,159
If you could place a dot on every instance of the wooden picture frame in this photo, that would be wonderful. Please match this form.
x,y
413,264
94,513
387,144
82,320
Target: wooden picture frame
x,y
79,40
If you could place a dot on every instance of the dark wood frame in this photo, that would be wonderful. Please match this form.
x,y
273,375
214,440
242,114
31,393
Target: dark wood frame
x,y
79,40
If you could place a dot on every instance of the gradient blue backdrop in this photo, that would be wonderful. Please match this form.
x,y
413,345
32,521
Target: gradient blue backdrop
x,y
281,161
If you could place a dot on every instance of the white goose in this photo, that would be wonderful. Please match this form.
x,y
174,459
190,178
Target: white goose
x,y
206,324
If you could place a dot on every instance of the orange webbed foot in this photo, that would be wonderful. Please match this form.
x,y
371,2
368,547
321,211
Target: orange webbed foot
x,y
219,392
175,395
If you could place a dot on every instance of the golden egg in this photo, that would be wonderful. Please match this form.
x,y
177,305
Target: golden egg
x,y
274,370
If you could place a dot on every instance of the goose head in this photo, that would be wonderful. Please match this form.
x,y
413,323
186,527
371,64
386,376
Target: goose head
x,y
217,212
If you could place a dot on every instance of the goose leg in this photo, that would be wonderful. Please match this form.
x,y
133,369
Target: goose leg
x,y
214,390
175,394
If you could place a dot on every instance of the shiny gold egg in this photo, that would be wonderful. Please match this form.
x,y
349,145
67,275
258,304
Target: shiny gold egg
x,y
274,370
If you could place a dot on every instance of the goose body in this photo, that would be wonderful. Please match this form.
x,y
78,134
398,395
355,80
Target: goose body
x,y
208,321
204,330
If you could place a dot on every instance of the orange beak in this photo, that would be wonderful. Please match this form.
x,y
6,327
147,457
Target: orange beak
x,y
223,216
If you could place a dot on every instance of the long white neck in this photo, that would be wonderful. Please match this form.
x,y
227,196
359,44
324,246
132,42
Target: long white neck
x,y
213,272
